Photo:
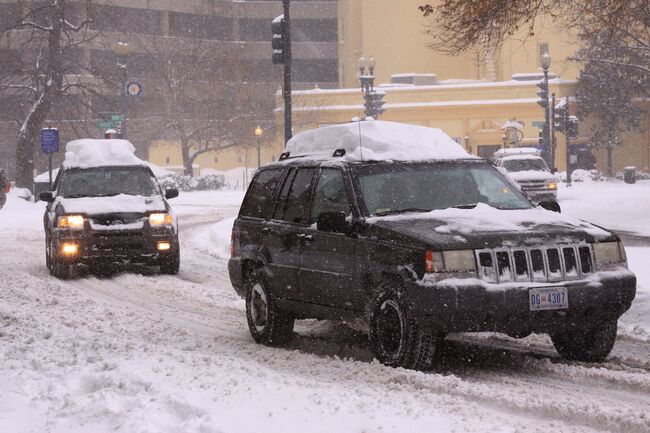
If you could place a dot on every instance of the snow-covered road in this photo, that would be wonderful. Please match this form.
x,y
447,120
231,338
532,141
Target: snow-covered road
x,y
148,353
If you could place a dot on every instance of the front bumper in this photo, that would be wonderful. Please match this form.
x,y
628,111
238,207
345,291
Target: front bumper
x,y
478,307
542,195
119,246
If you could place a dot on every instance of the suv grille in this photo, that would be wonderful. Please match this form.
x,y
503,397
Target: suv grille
x,y
116,218
532,185
541,264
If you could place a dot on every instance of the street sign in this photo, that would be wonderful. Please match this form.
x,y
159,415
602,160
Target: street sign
x,y
538,123
49,140
116,118
133,88
106,125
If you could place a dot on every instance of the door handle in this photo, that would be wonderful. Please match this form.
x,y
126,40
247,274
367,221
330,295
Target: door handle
x,y
267,231
305,237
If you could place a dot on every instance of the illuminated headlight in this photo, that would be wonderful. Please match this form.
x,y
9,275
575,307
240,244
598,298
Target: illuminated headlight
x,y
69,249
160,219
551,185
608,253
450,261
72,222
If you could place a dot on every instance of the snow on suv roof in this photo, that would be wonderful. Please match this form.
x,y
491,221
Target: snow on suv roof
x,y
377,141
86,153
517,151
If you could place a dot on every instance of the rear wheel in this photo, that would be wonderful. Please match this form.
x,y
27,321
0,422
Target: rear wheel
x,y
48,253
267,323
591,343
395,338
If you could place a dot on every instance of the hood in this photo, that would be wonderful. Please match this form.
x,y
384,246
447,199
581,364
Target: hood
x,y
116,204
488,227
531,175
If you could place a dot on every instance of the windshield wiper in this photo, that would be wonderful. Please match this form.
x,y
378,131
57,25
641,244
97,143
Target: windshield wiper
x,y
465,206
397,211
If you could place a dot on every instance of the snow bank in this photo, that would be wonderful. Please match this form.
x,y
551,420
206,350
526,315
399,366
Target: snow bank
x,y
87,153
118,203
517,151
378,140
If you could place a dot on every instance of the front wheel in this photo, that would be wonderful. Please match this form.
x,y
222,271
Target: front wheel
x,y
395,337
60,270
592,343
267,323
171,265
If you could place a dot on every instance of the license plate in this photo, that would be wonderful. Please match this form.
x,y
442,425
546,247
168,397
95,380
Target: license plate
x,y
548,298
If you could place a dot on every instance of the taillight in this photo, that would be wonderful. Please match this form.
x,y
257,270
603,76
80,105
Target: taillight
x,y
433,262
234,241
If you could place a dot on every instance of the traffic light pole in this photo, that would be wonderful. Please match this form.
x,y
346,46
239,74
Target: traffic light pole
x,y
547,124
567,135
288,130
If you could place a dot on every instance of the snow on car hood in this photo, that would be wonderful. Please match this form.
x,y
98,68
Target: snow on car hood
x,y
485,226
116,204
531,175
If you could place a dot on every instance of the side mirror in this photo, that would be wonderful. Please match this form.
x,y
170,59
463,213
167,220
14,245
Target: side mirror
x,y
46,196
551,205
332,222
554,170
171,193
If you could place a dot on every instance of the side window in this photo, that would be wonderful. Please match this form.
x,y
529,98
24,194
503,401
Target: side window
x,y
259,199
330,194
281,204
295,209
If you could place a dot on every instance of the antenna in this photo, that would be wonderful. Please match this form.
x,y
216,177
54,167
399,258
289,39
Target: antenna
x,y
360,141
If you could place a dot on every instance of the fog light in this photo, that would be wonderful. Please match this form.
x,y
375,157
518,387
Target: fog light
x,y
164,246
69,249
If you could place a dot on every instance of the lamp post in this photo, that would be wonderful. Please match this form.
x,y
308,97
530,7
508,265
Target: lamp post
x,y
374,99
122,50
546,151
258,133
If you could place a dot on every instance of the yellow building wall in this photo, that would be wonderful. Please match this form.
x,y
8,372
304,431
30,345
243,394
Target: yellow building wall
x,y
167,154
394,33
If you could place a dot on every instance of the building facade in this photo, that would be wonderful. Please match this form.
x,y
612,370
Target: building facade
x,y
240,83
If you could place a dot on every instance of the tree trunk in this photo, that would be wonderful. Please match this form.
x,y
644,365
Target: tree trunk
x,y
187,160
610,150
29,132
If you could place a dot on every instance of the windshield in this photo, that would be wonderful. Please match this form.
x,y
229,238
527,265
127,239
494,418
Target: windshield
x,y
535,164
107,181
396,188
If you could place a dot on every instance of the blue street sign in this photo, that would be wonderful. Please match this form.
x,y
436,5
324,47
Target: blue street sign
x,y
49,140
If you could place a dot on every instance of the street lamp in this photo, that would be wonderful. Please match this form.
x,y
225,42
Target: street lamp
x,y
544,102
374,99
258,133
122,50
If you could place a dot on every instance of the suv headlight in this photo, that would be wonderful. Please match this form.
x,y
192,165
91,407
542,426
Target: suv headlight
x,y
551,184
450,261
160,219
71,222
609,253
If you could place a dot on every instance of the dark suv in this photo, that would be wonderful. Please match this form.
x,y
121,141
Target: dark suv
x,y
420,249
107,216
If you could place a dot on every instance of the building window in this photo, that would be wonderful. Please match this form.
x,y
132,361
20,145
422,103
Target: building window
x,y
167,160
542,48
216,159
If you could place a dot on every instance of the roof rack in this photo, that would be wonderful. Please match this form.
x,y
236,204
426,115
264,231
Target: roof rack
x,y
339,152
285,155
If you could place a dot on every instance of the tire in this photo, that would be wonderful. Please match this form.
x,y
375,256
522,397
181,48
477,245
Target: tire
x,y
267,323
395,338
591,343
48,253
171,265
62,271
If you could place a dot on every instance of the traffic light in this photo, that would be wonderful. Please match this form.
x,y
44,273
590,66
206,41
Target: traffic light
x,y
560,117
543,94
540,140
279,30
572,127
374,103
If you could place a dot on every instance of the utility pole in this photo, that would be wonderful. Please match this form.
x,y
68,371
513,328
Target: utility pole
x,y
544,102
281,43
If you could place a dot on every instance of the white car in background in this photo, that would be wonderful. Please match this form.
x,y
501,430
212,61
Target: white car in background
x,y
527,168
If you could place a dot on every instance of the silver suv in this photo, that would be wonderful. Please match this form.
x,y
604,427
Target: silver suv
x,y
529,170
